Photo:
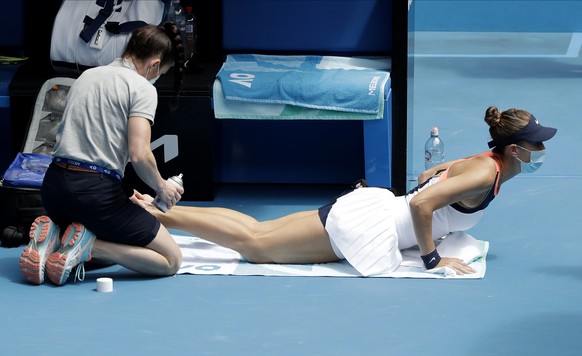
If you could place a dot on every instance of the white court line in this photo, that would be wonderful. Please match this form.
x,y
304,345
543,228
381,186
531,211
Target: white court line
x,y
572,52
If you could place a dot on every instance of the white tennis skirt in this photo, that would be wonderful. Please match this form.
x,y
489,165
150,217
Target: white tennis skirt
x,y
361,226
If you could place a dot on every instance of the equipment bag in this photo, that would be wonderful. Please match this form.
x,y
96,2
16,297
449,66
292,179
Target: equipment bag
x,y
20,199
20,206
91,33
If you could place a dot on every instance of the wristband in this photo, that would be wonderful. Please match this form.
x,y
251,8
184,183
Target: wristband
x,y
431,260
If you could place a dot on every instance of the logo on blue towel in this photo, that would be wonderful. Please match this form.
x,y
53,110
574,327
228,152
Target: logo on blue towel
x,y
373,85
243,79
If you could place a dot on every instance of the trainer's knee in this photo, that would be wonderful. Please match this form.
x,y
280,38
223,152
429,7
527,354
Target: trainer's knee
x,y
174,263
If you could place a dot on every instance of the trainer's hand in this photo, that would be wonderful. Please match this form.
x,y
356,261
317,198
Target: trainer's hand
x,y
170,193
456,265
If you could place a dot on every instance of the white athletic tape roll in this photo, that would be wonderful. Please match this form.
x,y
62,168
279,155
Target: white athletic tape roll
x,y
104,285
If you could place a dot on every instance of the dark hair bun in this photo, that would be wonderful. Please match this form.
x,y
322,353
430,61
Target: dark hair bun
x,y
492,116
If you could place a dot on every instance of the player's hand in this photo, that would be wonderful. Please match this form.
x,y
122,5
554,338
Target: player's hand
x,y
457,265
143,200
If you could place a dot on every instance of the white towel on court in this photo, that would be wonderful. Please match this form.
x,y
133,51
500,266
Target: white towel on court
x,y
203,257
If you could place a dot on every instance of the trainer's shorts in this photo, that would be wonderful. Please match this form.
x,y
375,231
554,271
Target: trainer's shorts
x,y
99,203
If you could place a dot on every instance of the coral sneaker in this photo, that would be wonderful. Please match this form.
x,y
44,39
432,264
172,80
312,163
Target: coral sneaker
x,y
44,236
76,245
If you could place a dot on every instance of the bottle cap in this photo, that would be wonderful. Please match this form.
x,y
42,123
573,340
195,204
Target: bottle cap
x,y
434,131
178,179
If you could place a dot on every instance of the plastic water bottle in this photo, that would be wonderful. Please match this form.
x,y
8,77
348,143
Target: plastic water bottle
x,y
190,37
158,202
434,149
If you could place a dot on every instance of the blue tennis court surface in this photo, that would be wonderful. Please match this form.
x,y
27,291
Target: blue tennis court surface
x,y
527,304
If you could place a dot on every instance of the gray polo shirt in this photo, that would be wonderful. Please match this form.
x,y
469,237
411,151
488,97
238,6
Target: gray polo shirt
x,y
99,104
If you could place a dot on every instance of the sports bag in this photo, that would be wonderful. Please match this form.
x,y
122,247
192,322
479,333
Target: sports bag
x,y
19,208
20,196
91,33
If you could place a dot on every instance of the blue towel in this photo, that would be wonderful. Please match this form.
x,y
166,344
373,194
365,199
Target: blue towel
x,y
317,82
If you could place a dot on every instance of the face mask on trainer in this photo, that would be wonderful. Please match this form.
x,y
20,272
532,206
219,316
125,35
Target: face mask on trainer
x,y
153,80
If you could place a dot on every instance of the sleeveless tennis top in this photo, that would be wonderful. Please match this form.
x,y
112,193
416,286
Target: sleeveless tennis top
x,y
451,218
492,192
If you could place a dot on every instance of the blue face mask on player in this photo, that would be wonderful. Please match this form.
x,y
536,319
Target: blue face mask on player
x,y
536,158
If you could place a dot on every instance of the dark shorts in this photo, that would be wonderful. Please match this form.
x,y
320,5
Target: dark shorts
x,y
99,203
323,211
